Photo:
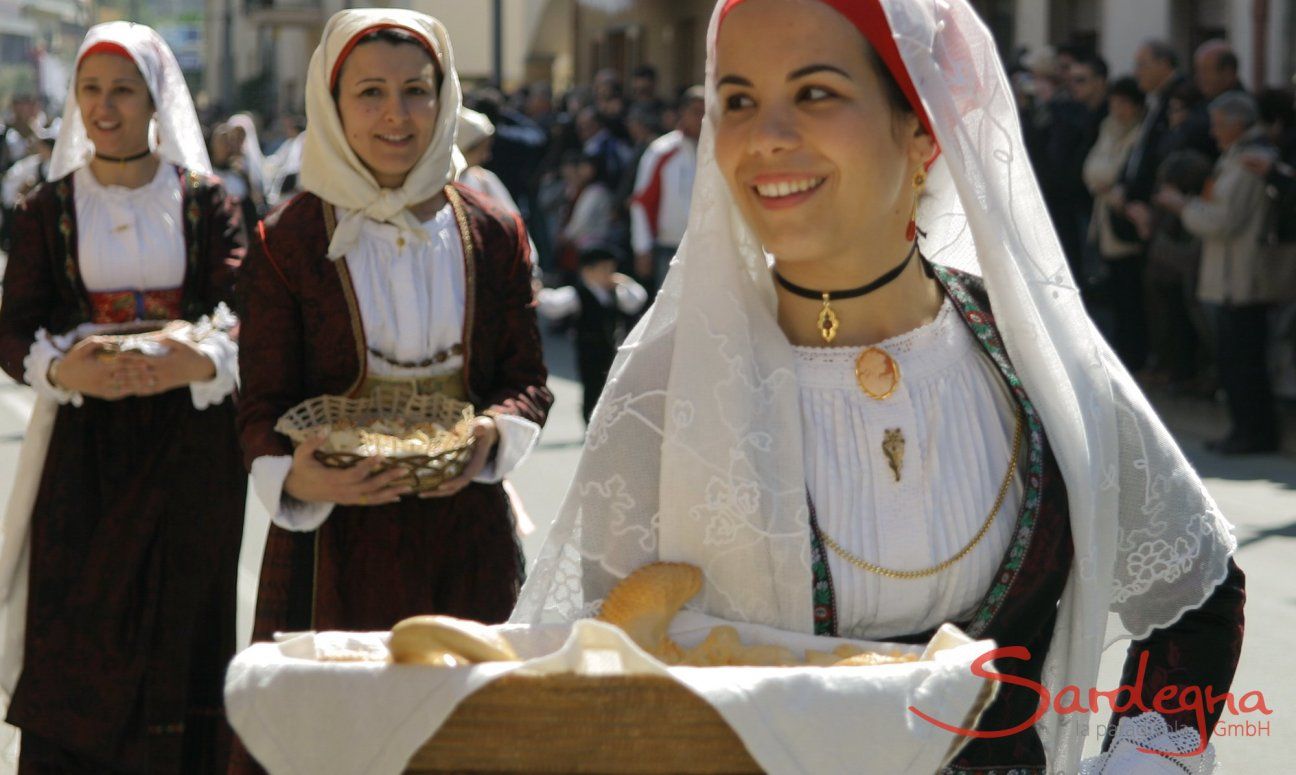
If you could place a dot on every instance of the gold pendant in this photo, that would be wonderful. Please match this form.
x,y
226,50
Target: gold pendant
x,y
893,444
877,373
828,323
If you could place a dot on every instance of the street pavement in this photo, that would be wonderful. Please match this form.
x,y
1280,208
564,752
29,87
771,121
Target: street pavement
x,y
1257,493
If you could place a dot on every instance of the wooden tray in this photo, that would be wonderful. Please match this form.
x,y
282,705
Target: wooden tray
x,y
584,724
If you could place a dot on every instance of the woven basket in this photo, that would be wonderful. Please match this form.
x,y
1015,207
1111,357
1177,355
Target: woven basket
x,y
575,723
426,466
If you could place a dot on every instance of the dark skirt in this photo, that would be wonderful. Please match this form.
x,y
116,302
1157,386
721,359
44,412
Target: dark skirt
x,y
368,567
134,561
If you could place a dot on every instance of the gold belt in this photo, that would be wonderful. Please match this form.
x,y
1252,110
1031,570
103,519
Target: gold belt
x,y
450,385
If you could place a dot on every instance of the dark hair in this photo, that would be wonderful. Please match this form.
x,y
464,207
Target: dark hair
x,y
645,115
1163,51
1276,107
895,95
1097,64
645,71
1126,88
1186,170
1227,60
690,95
601,253
397,37
1188,93
1073,50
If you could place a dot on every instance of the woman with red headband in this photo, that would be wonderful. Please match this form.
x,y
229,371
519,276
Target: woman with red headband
x,y
385,272
119,549
868,399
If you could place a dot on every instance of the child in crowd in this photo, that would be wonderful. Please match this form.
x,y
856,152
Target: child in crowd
x,y
598,305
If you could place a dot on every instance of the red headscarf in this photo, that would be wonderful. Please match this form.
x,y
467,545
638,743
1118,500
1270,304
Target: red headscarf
x,y
355,40
106,47
870,19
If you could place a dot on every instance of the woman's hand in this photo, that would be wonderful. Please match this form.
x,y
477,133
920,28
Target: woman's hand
x,y
87,369
360,485
487,437
182,364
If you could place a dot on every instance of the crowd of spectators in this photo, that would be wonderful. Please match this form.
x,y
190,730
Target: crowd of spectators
x,y
1171,192
1170,188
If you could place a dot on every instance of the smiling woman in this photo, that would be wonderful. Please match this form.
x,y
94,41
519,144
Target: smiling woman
x,y
130,473
115,105
967,450
425,284
386,95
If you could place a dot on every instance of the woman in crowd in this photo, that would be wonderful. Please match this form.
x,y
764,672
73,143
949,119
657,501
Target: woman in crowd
x,y
1111,233
868,400
385,272
128,501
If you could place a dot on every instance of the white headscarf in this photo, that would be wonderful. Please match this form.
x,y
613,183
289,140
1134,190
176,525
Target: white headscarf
x,y
330,168
695,451
253,158
474,127
178,136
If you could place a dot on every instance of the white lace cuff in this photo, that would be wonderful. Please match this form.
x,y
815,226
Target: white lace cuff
x,y
517,436
44,351
223,353
268,475
214,341
1150,732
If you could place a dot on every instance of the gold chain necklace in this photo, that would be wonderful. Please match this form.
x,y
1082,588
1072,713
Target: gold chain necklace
x,y
863,564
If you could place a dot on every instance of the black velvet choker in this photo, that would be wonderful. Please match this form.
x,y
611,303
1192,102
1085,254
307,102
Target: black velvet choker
x,y
123,159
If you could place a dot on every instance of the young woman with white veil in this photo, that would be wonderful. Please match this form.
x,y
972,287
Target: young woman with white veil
x,y
119,549
868,400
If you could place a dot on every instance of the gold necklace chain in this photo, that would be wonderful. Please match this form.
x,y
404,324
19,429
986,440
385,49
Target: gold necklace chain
x,y
863,564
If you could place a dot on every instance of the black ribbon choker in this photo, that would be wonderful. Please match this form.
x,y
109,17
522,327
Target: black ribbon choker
x,y
123,159
853,293
828,322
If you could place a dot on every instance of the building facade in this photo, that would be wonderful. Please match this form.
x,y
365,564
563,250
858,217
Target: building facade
x,y
256,51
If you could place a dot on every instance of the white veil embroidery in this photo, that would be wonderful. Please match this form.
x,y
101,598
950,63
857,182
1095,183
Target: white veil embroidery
x,y
178,138
694,452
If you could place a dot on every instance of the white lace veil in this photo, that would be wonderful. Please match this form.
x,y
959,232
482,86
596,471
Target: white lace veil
x,y
177,135
695,453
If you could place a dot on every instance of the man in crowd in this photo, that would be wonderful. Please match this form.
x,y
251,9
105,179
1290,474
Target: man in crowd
x,y
663,191
1058,136
1215,69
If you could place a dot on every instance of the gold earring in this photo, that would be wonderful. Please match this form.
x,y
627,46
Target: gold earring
x,y
920,180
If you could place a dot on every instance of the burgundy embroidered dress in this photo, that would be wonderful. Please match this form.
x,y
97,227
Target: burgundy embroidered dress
x,y
365,568
138,518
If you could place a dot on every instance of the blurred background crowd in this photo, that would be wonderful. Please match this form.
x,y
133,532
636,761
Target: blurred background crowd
x,y
1168,178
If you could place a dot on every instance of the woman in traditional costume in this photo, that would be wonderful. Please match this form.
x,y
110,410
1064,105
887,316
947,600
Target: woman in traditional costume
x,y
122,535
385,272
868,399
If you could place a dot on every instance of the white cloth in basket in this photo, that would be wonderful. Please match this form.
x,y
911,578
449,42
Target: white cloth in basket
x,y
299,715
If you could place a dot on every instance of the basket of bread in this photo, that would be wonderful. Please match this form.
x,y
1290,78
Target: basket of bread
x,y
428,436
645,688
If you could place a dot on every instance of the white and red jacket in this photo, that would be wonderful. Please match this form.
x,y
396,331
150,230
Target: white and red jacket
x,y
663,188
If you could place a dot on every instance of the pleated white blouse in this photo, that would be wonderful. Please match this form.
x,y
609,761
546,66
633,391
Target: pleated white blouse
x,y
412,296
132,239
958,420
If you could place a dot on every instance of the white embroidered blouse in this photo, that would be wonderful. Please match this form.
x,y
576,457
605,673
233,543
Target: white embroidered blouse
x,y
957,420
132,239
412,297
